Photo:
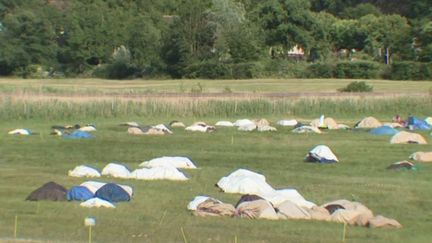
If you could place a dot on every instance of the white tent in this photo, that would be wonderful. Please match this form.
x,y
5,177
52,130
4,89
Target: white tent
x,y
200,128
291,122
84,171
163,128
266,129
97,203
116,170
196,201
158,173
20,131
93,186
321,152
247,182
244,182
243,122
88,128
224,124
176,161
247,127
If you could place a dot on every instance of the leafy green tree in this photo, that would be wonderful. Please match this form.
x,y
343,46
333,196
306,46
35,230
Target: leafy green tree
x,y
27,37
286,23
348,34
360,10
388,33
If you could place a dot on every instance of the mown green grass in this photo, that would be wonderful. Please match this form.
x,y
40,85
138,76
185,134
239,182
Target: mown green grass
x,y
157,212
124,87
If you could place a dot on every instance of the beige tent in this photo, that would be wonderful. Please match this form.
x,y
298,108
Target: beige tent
x,y
369,122
256,209
146,131
329,123
177,124
289,210
213,207
353,213
407,137
422,156
383,222
261,122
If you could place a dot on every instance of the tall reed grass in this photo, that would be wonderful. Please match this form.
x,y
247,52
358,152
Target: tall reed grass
x,y
11,109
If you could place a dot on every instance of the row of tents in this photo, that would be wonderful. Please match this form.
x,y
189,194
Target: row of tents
x,y
93,194
261,125
261,201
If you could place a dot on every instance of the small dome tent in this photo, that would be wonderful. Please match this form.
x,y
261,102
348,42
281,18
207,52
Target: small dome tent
x,y
79,193
321,154
112,193
50,191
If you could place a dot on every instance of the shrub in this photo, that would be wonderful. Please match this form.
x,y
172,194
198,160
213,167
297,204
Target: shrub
x,y
320,70
281,68
357,87
244,70
361,69
207,69
410,71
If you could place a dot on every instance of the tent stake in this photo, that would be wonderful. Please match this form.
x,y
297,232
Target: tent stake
x,y
16,226
344,232
90,234
184,236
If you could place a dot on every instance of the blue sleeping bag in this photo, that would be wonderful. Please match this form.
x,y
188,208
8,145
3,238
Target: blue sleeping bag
x,y
79,193
418,124
79,134
112,193
383,130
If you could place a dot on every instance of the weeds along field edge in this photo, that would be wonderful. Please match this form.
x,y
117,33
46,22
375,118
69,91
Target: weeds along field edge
x,y
12,108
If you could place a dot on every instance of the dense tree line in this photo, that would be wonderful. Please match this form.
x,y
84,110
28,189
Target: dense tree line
x,y
207,38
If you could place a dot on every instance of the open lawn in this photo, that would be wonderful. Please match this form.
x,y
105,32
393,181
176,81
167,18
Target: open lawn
x,y
128,87
157,212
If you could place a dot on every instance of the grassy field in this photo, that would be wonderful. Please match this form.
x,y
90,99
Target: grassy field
x,y
157,212
127,87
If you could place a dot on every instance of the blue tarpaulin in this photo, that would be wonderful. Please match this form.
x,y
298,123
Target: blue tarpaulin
x,y
383,130
79,193
79,134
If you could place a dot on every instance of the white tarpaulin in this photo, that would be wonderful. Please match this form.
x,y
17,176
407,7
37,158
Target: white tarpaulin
x,y
175,161
323,152
116,170
84,171
224,124
97,203
196,201
158,173
243,122
247,182
292,122
93,186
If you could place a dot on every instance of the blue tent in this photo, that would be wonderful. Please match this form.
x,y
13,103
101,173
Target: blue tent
x,y
418,123
79,193
79,134
383,130
112,193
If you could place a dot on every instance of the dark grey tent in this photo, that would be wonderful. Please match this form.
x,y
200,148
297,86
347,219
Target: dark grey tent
x,y
50,191
248,198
